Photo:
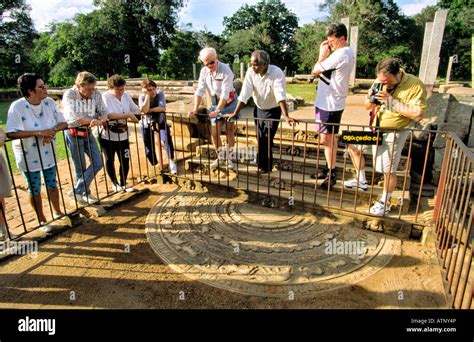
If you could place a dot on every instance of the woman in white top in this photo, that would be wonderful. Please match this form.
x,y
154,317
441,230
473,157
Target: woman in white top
x,y
114,135
33,122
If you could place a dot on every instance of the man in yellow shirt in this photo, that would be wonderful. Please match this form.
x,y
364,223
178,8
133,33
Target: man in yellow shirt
x,y
400,102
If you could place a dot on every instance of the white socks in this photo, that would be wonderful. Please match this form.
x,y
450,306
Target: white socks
x,y
386,197
361,176
229,151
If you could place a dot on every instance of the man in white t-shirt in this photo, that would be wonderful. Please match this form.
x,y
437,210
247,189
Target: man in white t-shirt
x,y
333,67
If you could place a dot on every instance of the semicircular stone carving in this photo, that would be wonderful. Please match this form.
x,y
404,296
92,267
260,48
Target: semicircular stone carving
x,y
223,241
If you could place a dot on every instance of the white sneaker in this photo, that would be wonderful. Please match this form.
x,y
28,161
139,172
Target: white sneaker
x,y
117,187
46,228
215,164
130,189
173,167
350,184
89,198
76,197
378,208
230,165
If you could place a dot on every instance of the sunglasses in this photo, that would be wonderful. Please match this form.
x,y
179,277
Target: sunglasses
x,y
210,63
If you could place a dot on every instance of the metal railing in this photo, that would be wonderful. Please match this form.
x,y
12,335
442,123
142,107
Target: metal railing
x,y
453,222
298,153
21,218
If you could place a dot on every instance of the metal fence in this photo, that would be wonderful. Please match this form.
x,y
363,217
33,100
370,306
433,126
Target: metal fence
x,y
21,218
298,153
453,222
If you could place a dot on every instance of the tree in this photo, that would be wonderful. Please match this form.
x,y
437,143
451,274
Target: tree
x,y
457,37
176,62
120,36
241,43
206,38
273,25
16,36
308,38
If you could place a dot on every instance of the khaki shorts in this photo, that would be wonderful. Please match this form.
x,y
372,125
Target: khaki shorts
x,y
392,142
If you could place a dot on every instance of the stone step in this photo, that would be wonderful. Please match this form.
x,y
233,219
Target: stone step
x,y
187,145
284,180
308,166
297,151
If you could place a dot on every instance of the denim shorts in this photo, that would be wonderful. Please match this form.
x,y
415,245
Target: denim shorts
x,y
227,110
33,180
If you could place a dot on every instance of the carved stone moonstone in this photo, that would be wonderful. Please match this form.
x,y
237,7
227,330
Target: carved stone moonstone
x,y
223,241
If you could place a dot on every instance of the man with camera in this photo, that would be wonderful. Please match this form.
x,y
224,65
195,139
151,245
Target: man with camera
x,y
336,60
396,100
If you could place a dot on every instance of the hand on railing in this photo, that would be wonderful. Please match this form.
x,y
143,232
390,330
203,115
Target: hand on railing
x,y
133,118
96,122
192,114
291,121
47,135
215,114
229,116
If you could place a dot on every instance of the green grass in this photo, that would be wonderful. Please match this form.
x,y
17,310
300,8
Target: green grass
x,y
60,144
305,90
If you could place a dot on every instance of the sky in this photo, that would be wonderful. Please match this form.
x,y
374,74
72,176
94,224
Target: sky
x,y
201,14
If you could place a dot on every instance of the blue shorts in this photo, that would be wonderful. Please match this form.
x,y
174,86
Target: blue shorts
x,y
325,117
33,180
227,110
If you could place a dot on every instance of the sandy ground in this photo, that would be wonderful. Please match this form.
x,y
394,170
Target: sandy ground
x,y
107,263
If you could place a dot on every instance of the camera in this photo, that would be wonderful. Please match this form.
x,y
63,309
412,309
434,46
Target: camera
x,y
375,89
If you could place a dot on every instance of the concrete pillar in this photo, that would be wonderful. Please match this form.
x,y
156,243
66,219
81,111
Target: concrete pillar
x,y
450,66
194,72
346,22
435,47
242,71
424,52
354,40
